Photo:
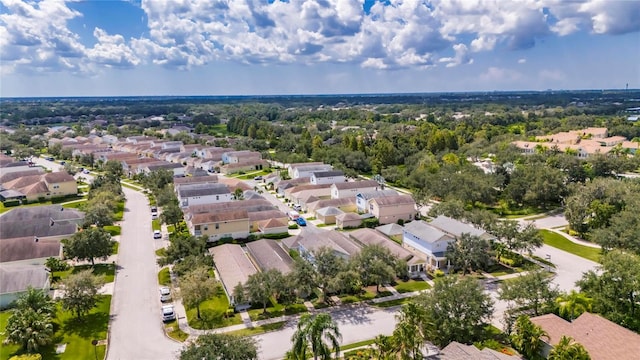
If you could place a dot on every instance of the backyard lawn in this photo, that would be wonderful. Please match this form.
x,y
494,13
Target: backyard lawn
x,y
213,313
411,285
560,242
77,334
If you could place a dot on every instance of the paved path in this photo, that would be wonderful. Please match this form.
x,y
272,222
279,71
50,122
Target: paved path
x,y
136,330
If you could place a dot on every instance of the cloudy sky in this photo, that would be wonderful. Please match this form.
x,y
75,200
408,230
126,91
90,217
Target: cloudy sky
x,y
253,47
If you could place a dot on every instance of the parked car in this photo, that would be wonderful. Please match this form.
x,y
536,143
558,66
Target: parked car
x,y
297,207
154,215
301,221
50,158
293,215
157,234
167,313
165,294
62,162
86,171
258,178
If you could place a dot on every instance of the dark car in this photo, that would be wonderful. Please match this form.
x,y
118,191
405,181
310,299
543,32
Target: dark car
x,y
301,221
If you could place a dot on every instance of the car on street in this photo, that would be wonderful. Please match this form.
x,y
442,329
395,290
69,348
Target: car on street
x,y
86,171
293,215
154,216
50,158
167,313
297,207
165,294
62,162
157,234
301,221
258,178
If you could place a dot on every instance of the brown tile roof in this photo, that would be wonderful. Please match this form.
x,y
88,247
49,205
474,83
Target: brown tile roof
x,y
195,179
394,200
235,183
372,237
272,223
26,248
233,265
208,218
6,177
266,215
269,255
58,177
603,339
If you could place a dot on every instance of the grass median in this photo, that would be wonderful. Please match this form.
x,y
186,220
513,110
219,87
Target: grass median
x,y
560,242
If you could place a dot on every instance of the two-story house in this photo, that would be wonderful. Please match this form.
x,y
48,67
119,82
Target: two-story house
x,y
421,237
390,209
232,224
363,197
327,177
203,193
351,188
306,170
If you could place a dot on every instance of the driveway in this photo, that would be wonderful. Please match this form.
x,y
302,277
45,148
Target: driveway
x,y
136,330
356,323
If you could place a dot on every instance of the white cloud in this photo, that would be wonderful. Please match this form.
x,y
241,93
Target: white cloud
x,y
111,51
522,61
461,57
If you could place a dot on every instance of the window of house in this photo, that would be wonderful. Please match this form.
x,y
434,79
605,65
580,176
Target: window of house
x,y
217,226
206,227
217,197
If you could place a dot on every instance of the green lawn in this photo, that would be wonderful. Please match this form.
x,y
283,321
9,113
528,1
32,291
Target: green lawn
x,y
213,313
171,229
164,277
108,271
76,333
155,224
173,331
116,245
259,329
391,303
75,204
412,285
275,310
161,252
499,270
119,213
364,296
560,242
114,230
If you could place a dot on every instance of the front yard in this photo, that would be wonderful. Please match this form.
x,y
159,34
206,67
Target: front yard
x,y
106,270
77,334
558,241
411,285
213,313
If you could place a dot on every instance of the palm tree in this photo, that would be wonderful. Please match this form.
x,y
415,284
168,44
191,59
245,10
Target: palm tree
x,y
573,304
29,329
567,349
527,338
36,300
384,348
409,335
313,331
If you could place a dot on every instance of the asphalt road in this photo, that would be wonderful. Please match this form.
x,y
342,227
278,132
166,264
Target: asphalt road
x,y
569,267
136,326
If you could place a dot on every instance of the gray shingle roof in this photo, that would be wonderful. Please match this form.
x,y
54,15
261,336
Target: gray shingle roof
x,y
269,255
324,174
206,189
356,184
376,194
36,221
26,248
329,211
425,231
233,265
372,237
332,239
455,227
18,277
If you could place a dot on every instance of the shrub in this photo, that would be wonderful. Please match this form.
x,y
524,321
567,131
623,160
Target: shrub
x,y
275,236
10,203
438,273
400,222
26,357
370,223
293,226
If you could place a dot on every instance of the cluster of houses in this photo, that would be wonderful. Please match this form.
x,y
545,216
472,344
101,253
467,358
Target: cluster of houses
x,y
28,236
143,154
583,143
20,180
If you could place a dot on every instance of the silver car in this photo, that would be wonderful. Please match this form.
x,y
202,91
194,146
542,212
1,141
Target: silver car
x,y
165,294
167,313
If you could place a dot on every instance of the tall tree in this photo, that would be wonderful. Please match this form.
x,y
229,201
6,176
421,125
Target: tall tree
x,y
527,338
36,300
221,347
81,292
304,277
532,291
327,265
573,304
568,349
171,214
98,214
376,265
89,244
262,286
469,253
197,286
450,297
318,332
410,332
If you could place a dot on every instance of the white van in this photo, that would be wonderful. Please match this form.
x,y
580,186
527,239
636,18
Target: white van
x,y
293,215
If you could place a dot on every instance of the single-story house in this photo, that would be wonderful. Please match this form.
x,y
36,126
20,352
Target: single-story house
x,y
307,243
328,214
237,157
30,248
194,180
234,224
297,193
177,169
234,267
603,339
392,229
415,264
40,221
273,226
16,278
349,189
423,238
269,255
283,185
348,220
327,177
303,171
390,209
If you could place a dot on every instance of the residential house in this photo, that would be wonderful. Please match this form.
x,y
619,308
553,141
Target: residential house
x,y
40,222
391,209
273,226
362,198
30,249
292,166
419,236
283,185
603,339
344,204
130,166
239,157
348,220
306,170
5,177
233,267
366,237
327,177
299,192
202,193
44,186
248,205
232,224
458,351
268,255
177,169
351,188
391,230
271,221
456,228
16,278
246,165
210,179
328,214
307,243
142,139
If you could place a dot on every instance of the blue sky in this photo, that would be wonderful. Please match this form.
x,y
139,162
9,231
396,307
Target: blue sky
x,y
254,47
